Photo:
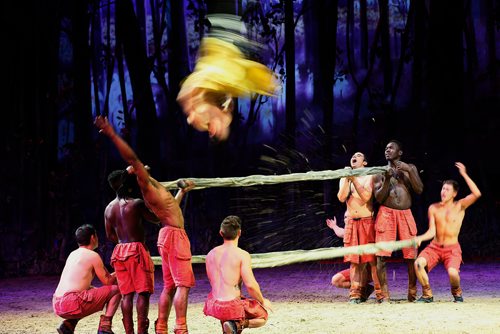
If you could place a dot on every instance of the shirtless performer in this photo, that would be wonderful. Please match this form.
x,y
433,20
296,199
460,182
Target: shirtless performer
x,y
342,279
131,259
228,266
356,192
445,221
173,243
394,218
74,297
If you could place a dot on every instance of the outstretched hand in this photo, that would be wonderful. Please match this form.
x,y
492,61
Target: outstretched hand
x,y
461,168
103,125
331,222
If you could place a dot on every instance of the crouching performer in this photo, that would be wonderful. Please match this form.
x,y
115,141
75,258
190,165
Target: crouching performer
x,y
74,297
445,222
228,266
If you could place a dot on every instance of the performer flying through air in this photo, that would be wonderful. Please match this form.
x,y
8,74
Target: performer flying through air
x,y
223,71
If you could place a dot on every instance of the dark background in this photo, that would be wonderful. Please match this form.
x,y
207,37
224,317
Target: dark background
x,y
355,74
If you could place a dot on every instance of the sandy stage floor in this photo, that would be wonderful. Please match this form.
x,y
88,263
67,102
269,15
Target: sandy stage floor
x,y
304,302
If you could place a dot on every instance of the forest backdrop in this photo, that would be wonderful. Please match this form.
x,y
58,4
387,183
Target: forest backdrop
x,y
354,74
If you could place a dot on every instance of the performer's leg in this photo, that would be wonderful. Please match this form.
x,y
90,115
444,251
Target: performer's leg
x,y
363,274
382,276
164,307
456,290
355,290
412,280
67,326
180,304
254,323
423,278
376,282
127,312
339,281
142,312
105,322
365,279
237,326
114,302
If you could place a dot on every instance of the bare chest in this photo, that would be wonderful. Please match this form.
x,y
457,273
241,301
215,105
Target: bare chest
x,y
449,218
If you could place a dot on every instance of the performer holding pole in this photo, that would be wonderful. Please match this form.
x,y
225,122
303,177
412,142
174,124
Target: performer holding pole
x,y
173,243
356,192
395,219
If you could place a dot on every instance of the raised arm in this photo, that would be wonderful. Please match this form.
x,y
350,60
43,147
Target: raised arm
x,y
125,150
431,231
475,193
101,272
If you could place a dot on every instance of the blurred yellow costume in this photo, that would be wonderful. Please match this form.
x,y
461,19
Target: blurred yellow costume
x,y
221,73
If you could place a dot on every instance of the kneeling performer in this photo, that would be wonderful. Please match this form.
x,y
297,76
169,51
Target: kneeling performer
x,y
228,266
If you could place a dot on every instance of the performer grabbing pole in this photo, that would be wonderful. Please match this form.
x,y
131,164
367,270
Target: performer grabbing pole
x,y
356,192
394,219
173,242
